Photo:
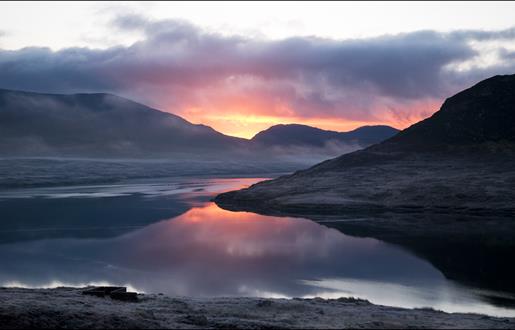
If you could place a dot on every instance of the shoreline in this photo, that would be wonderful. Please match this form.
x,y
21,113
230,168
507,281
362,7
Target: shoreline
x,y
69,308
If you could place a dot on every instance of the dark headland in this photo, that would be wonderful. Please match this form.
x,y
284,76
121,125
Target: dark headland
x,y
460,160
441,187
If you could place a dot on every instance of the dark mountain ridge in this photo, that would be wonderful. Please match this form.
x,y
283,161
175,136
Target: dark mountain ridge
x,y
303,135
475,124
461,158
483,113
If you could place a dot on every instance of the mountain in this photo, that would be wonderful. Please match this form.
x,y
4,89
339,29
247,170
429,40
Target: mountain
x,y
484,113
109,126
307,136
460,160
442,188
35,124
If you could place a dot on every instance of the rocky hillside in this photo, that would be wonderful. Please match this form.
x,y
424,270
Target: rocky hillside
x,y
484,113
460,160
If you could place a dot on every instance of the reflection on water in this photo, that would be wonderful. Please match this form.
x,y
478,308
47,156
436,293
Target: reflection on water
x,y
207,251
101,211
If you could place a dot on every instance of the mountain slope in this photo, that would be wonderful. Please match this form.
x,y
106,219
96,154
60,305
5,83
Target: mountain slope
x,y
105,125
459,160
34,124
302,135
483,113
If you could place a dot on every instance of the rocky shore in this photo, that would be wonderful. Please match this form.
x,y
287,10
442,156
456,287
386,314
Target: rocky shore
x,y
459,161
69,308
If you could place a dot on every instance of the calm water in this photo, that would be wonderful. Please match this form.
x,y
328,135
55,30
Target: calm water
x,y
167,237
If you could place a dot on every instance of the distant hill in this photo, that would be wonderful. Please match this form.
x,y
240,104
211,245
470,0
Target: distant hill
x,y
302,135
105,125
109,126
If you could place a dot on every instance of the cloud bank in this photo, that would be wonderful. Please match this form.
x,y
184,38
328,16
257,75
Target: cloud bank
x,y
239,83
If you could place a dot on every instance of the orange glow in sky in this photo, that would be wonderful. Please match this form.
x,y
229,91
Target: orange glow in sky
x,y
246,126
247,122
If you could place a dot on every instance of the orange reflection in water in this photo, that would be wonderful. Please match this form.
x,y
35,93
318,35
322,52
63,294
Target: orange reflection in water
x,y
208,231
242,233
212,213
209,251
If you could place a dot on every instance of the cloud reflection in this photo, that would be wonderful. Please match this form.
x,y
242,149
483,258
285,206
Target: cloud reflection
x,y
208,251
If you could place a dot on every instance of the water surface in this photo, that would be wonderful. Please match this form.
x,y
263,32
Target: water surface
x,y
167,237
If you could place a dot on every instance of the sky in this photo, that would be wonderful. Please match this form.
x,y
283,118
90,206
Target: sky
x,y
242,67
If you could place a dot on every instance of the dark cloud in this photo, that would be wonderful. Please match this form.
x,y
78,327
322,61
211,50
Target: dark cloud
x,y
178,64
482,35
506,54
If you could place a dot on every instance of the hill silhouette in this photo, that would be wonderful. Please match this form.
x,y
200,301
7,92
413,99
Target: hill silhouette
x,y
461,159
303,135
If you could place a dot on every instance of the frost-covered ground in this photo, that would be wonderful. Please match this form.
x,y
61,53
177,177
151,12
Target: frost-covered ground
x,y
420,184
68,308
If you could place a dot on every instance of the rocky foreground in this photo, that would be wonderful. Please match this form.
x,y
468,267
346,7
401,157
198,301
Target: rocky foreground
x,y
69,308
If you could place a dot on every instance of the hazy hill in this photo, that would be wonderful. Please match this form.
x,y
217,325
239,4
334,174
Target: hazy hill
x,y
109,126
302,135
34,124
